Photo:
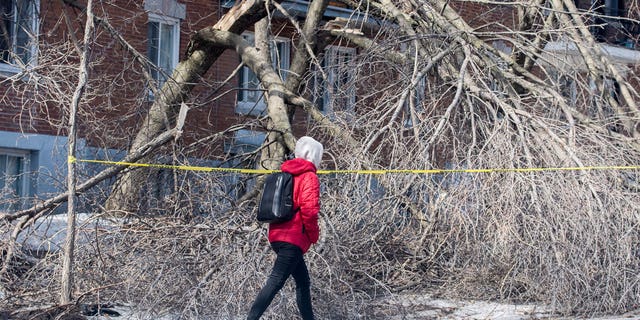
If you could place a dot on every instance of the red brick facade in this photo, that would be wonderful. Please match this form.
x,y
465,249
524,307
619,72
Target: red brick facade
x,y
123,90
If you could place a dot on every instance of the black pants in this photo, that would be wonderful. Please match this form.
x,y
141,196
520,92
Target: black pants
x,y
289,262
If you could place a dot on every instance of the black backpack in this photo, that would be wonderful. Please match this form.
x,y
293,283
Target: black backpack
x,y
276,202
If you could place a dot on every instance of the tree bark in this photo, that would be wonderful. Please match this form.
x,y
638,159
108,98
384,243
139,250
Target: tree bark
x,y
111,171
67,265
200,57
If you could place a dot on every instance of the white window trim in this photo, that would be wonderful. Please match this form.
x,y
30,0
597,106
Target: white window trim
x,y
258,108
566,54
167,8
245,141
176,38
33,59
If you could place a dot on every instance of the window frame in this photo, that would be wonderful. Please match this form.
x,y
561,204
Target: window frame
x,y
282,55
12,66
242,142
324,97
568,88
157,70
612,8
416,98
418,94
23,175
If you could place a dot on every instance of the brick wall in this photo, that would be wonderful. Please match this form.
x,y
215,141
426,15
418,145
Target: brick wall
x,y
115,115
487,17
123,100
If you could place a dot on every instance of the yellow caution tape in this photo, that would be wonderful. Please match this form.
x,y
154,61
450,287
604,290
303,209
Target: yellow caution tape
x,y
382,171
174,167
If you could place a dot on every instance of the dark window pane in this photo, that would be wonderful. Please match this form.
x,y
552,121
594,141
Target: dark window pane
x,y
24,33
6,29
153,36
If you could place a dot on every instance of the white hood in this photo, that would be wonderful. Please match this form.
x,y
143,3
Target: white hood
x,y
309,149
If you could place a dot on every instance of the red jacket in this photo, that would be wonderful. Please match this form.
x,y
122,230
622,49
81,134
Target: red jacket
x,y
303,229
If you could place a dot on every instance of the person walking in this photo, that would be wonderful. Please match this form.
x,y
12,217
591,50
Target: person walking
x,y
292,239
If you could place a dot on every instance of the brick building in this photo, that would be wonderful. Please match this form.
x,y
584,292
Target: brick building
x,y
40,34
37,33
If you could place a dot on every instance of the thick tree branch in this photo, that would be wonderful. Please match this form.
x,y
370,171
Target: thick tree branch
x,y
134,156
200,57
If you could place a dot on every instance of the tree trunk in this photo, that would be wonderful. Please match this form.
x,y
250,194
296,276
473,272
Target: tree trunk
x,y
200,56
67,266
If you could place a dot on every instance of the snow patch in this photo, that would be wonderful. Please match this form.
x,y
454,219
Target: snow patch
x,y
49,233
427,307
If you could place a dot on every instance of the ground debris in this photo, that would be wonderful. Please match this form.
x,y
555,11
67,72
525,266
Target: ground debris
x,y
426,307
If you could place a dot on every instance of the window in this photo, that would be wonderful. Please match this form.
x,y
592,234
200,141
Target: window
x,y
602,94
496,85
612,8
14,182
163,35
334,86
250,96
18,26
241,148
245,141
413,103
607,25
568,88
